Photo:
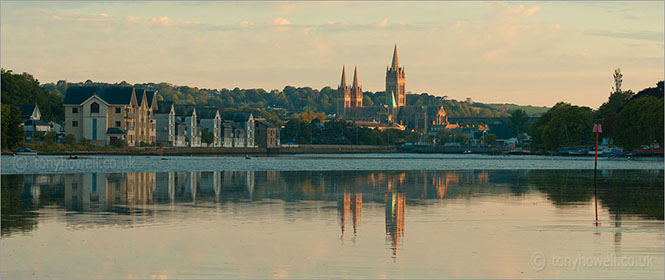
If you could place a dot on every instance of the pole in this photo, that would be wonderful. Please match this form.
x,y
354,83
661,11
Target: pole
x,y
596,155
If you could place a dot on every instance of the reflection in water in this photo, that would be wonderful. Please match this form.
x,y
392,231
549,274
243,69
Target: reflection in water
x,y
120,196
395,206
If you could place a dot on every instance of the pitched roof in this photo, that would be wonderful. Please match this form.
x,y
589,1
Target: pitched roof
x,y
163,107
76,95
184,110
149,95
26,109
236,116
112,95
206,112
115,130
264,123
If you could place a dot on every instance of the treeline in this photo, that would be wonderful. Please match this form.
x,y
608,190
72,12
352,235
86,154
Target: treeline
x,y
631,120
290,99
302,131
25,89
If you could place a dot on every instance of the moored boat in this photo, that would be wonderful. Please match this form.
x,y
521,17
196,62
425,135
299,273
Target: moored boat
x,y
25,151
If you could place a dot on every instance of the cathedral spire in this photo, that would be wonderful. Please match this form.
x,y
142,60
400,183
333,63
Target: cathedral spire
x,y
355,77
395,59
343,83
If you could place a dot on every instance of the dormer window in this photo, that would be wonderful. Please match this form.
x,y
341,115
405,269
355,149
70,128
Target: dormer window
x,y
94,107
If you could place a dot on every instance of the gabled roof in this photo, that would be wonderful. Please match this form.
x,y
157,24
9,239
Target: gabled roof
x,y
236,116
149,95
264,123
26,109
164,107
182,110
112,95
76,95
206,112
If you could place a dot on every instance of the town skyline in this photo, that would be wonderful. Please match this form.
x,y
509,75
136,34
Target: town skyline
x,y
529,53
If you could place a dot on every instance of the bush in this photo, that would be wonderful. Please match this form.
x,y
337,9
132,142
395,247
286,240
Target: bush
x,y
69,139
119,143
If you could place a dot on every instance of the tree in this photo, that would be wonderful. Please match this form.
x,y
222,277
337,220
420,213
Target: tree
x,y
49,137
25,89
618,79
563,125
207,136
640,122
12,132
519,121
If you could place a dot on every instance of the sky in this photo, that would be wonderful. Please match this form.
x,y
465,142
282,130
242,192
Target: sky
x,y
536,53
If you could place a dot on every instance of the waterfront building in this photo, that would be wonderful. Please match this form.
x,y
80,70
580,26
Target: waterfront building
x,y
267,134
104,115
32,123
165,123
186,116
210,120
245,120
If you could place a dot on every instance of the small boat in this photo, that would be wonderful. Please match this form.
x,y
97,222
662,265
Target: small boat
x,y
247,157
25,151
467,151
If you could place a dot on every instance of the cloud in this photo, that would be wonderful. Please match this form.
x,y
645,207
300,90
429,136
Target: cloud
x,y
244,23
163,21
384,22
280,21
133,19
636,35
521,11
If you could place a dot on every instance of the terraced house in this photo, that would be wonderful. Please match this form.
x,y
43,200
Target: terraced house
x,y
105,115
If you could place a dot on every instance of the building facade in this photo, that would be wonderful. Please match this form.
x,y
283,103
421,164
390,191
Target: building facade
x,y
267,134
104,115
210,120
165,123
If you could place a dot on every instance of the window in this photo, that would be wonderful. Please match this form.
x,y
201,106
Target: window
x,y
117,110
94,107
75,124
117,124
75,110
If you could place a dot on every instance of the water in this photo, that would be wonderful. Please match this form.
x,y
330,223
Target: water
x,y
470,223
367,162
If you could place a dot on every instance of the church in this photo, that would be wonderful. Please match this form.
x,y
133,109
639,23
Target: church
x,y
395,114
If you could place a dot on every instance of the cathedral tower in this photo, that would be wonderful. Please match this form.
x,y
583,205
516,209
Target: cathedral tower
x,y
343,95
396,81
356,91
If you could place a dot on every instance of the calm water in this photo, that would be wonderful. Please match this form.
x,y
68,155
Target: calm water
x,y
355,224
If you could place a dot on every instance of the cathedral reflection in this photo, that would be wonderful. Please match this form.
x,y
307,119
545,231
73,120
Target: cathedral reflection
x,y
350,204
132,197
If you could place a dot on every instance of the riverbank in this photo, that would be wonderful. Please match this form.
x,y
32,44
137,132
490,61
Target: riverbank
x,y
189,151
283,150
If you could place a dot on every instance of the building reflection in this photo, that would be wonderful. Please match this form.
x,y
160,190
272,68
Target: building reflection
x,y
129,197
350,205
395,206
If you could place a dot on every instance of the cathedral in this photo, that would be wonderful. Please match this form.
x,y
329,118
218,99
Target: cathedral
x,y
395,113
